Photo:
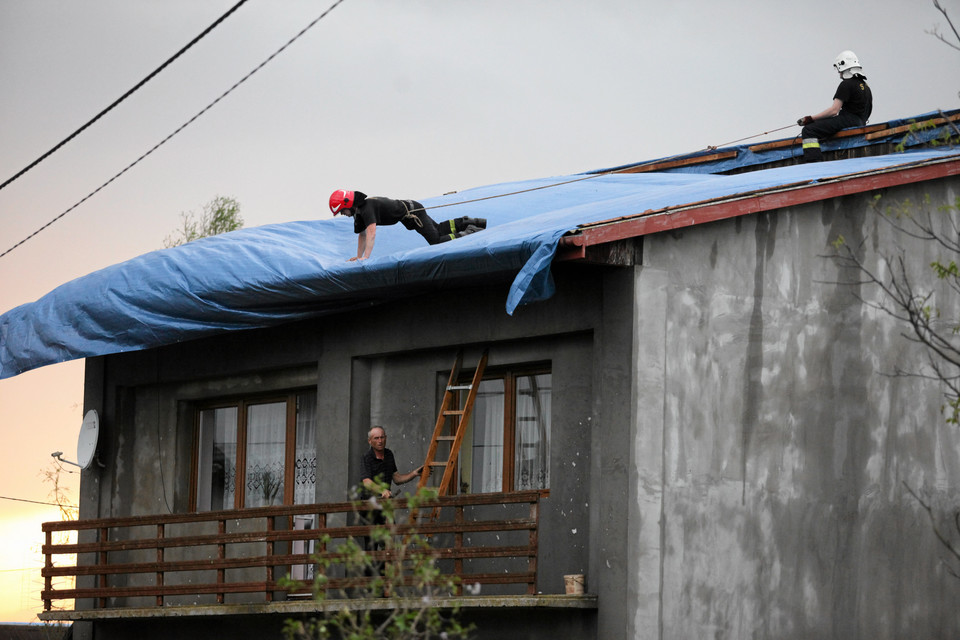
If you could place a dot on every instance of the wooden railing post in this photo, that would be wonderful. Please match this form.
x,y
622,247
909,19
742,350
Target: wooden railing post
x,y
458,546
268,594
532,558
48,564
160,549
101,563
321,546
221,555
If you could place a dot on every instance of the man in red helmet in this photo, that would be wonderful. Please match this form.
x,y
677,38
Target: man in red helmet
x,y
369,212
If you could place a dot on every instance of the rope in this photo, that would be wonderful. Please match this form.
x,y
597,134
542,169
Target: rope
x,y
124,96
732,142
181,128
598,174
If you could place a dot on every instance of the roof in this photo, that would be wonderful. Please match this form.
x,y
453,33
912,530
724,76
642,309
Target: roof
x,y
279,273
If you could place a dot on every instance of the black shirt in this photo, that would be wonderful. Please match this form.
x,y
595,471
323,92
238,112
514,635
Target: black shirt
x,y
379,211
856,97
374,468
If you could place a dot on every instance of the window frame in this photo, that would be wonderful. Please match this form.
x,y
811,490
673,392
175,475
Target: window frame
x,y
242,404
509,375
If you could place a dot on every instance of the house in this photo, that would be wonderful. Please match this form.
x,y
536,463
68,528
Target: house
x,y
686,394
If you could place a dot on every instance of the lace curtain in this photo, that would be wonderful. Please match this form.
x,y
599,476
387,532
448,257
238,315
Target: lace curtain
x,y
305,474
531,466
266,450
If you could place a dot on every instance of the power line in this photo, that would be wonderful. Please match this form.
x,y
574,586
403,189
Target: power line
x,y
124,96
48,504
181,127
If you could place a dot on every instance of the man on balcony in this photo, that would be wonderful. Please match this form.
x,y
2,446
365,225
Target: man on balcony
x,y
378,469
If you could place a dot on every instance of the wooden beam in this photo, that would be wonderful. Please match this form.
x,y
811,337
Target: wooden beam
x,y
679,162
845,133
906,127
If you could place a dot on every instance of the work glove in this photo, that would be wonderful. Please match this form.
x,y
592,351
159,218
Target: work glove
x,y
805,120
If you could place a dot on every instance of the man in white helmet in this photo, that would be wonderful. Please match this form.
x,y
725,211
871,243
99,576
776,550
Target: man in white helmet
x,y
851,107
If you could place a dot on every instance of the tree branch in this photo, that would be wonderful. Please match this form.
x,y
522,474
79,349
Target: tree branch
x,y
944,540
935,33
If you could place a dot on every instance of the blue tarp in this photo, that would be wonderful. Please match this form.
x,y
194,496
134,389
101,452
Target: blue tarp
x,y
278,273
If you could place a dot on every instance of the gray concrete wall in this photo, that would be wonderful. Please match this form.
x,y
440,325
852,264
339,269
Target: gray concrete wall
x,y
785,444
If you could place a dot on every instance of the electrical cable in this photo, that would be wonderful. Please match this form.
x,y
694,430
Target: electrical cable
x,y
180,128
163,481
124,96
47,504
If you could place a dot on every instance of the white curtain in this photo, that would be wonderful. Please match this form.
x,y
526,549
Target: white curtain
x,y
487,453
266,449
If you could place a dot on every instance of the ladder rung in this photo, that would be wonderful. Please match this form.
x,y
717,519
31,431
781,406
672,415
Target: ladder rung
x,y
446,438
457,412
438,464
460,387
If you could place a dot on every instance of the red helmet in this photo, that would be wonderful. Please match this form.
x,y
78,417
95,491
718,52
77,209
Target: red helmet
x,y
340,200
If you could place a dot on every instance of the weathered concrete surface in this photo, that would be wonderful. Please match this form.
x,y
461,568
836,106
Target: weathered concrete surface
x,y
645,538
786,445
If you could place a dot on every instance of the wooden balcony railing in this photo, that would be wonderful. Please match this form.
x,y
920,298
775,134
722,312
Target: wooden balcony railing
x,y
238,556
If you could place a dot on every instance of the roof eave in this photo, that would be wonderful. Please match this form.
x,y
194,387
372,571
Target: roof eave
x,y
576,246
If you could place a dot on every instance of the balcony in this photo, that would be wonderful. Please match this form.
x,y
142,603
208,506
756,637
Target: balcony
x,y
230,562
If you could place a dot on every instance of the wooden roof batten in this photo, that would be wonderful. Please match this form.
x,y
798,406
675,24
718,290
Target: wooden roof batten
x,y
870,133
586,239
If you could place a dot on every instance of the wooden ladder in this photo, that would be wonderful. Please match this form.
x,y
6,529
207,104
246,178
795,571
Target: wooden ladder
x,y
460,416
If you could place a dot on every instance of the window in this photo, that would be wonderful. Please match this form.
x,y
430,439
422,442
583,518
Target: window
x,y
507,443
255,453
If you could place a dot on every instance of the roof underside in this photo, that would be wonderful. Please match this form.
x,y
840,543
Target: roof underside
x,y
274,274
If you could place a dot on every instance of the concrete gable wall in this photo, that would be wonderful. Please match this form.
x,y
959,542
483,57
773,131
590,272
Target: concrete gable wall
x,y
785,445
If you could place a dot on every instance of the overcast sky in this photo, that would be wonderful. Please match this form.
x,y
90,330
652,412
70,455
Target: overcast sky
x,y
403,98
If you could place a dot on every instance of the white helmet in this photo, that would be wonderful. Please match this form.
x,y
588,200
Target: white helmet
x,y
847,64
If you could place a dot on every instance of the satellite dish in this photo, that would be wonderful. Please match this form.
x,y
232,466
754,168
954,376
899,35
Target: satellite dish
x,y
87,440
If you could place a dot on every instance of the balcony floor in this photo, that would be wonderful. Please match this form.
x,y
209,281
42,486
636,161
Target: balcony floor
x,y
307,606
